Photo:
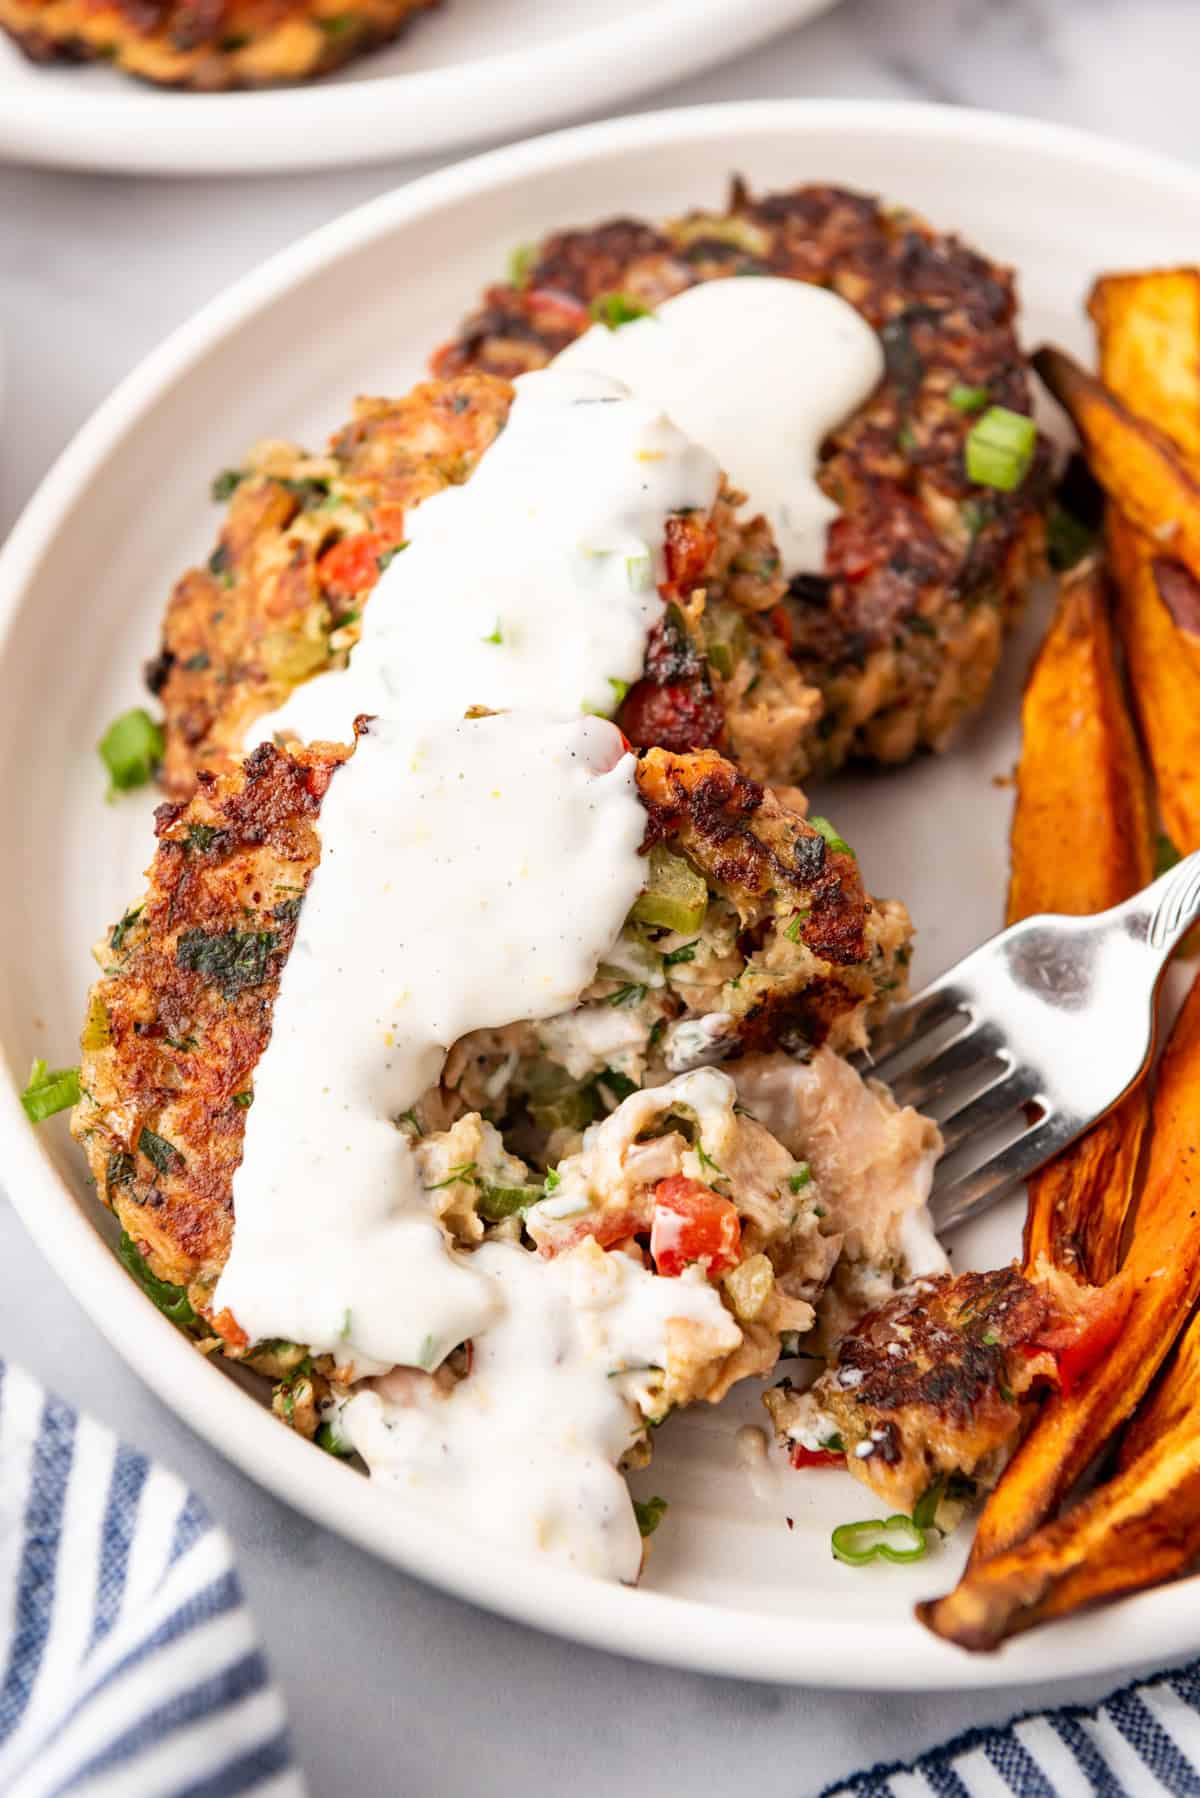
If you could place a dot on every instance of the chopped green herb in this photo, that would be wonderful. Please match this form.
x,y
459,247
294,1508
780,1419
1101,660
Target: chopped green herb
x,y
201,837
792,933
1068,539
925,1510
244,1100
628,995
218,562
619,687
618,1084
520,263
838,844
496,636
411,1119
707,1163
553,1179
1000,449
198,663
686,952
121,930
232,961
49,1090
906,440
968,399
465,1171
131,749
225,483
333,1444
172,1301
990,1338
1166,856
721,657
382,560
498,1202
617,309
1006,1392
118,1170
164,1155
858,1543
649,1513
801,1177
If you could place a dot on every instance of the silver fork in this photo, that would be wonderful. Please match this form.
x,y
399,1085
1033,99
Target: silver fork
x,y
1032,1038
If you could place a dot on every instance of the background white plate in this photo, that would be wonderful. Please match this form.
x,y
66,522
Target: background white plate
x,y
470,71
355,308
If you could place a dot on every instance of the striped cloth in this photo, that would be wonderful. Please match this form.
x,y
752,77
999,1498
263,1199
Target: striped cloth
x,y
1141,1742
130,1667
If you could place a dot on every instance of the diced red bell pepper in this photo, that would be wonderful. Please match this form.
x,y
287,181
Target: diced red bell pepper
x,y
352,566
781,623
814,1457
693,1226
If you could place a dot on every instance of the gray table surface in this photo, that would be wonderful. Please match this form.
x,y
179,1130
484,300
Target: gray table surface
x,y
393,1687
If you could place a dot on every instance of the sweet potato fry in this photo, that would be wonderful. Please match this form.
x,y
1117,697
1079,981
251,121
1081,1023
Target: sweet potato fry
x,y
1148,330
1081,841
1139,1529
1135,462
1162,1272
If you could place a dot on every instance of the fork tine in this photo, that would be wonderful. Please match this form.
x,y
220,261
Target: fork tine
x,y
965,1054
957,1197
905,1023
1011,1089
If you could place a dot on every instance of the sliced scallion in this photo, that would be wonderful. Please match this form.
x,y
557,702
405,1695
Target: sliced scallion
x,y
896,1538
131,749
838,844
1000,449
617,309
968,399
49,1090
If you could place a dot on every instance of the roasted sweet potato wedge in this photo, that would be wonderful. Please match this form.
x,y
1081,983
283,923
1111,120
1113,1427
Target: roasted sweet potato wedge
x,y
1160,625
1162,1275
1135,462
1139,1529
1081,841
1148,331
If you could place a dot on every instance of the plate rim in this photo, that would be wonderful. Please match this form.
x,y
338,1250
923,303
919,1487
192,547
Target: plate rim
x,y
333,124
653,1626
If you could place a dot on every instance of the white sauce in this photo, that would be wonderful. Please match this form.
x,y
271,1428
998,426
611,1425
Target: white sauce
x,y
524,1450
472,873
759,369
556,545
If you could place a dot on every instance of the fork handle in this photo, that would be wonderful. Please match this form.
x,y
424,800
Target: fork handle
x,y
1165,911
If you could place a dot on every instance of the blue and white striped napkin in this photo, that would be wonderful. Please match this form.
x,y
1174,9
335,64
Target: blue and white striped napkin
x,y
1141,1742
130,1666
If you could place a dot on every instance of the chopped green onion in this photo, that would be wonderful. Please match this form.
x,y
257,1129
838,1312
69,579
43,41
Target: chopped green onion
x,y
1000,449
686,952
381,562
968,399
617,309
244,1100
676,896
49,1090
858,1543
131,749
498,1202
328,1438
496,636
720,657
801,1177
520,262
649,1513
925,1510
632,994
553,1179
465,1171
1166,856
226,483
639,571
1068,539
838,844
121,930
339,24
619,687
707,1163
990,1338
172,1301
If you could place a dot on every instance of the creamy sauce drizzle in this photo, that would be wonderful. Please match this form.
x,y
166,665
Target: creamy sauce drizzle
x,y
760,370
471,874
534,584
525,1449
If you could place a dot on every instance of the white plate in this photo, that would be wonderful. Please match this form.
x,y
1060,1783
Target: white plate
x,y
471,71
355,308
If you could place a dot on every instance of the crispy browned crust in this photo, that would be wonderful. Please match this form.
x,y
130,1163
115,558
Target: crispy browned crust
x,y
937,1381
207,45
274,604
305,538
182,1011
922,570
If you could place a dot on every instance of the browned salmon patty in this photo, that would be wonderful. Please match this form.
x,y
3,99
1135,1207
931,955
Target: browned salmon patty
x,y
182,1011
902,632
207,44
